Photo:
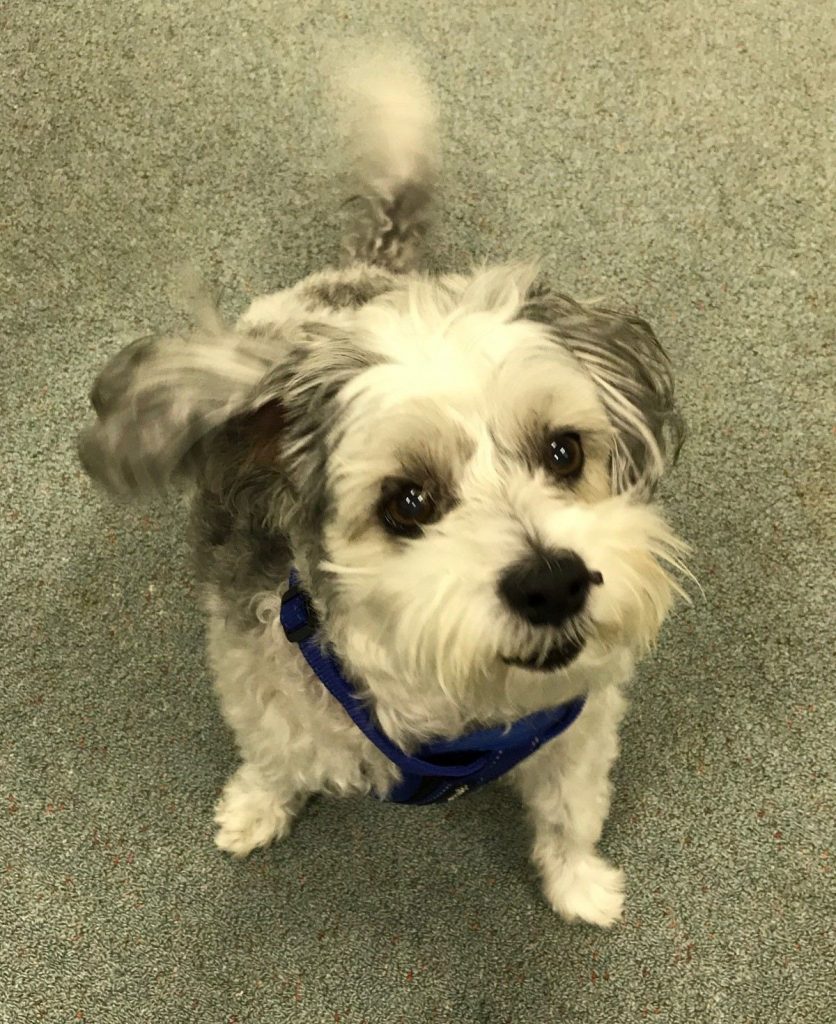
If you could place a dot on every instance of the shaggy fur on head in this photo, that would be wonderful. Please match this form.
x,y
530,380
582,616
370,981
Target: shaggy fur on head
x,y
299,428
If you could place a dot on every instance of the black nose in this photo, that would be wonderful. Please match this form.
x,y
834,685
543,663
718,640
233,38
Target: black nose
x,y
546,589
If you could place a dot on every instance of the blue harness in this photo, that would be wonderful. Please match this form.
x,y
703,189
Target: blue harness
x,y
437,771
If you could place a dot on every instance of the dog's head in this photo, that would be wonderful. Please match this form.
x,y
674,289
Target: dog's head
x,y
463,468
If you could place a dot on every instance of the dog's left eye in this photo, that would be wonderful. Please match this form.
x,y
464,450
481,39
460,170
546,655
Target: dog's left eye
x,y
564,456
406,510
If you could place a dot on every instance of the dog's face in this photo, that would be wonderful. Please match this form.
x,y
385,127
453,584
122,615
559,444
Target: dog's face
x,y
464,475
479,534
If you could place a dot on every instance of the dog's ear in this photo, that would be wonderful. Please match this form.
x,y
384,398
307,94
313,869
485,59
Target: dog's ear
x,y
634,380
232,406
159,400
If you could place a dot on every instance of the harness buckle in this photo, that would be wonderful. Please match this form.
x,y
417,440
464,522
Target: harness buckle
x,y
298,616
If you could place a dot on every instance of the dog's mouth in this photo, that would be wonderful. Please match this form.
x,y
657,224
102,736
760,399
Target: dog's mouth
x,y
559,656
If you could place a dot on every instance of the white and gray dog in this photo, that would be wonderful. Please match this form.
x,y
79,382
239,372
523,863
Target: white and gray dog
x,y
458,472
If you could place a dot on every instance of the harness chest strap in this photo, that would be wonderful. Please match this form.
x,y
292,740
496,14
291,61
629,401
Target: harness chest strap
x,y
438,771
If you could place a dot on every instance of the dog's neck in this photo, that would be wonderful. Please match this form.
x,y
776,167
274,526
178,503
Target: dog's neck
x,y
413,706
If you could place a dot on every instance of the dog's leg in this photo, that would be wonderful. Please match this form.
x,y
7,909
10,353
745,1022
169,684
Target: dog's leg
x,y
262,701
567,790
254,810
293,742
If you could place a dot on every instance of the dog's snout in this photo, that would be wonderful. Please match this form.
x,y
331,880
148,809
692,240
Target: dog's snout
x,y
546,590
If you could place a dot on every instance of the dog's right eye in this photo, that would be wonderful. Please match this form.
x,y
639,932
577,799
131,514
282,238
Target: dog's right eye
x,y
564,456
407,508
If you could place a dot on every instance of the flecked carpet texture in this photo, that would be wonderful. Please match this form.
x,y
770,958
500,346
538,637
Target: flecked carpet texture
x,y
675,157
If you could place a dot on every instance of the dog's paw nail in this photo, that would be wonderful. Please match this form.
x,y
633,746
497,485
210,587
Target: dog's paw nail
x,y
586,888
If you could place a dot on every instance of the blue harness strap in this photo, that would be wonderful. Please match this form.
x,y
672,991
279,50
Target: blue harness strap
x,y
437,771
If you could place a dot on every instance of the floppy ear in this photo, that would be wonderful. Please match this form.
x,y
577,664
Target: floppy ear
x,y
634,380
159,399
217,403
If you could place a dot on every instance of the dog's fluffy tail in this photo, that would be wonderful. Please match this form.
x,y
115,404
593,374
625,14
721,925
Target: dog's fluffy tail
x,y
388,119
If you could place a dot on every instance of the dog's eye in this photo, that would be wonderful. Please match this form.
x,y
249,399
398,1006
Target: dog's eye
x,y
405,510
564,456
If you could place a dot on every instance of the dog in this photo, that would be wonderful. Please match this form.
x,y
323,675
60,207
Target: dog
x,y
422,514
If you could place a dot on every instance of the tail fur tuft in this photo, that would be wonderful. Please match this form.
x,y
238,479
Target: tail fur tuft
x,y
389,124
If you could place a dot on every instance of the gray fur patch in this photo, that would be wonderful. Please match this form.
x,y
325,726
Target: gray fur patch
x,y
634,379
252,512
348,292
389,234
114,380
158,401
235,555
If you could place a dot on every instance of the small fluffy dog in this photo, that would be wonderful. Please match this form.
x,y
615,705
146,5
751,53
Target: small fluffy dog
x,y
457,470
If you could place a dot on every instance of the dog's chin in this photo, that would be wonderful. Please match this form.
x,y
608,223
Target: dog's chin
x,y
557,657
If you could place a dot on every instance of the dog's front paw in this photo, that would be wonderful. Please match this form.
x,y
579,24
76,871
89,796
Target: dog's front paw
x,y
584,887
249,815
